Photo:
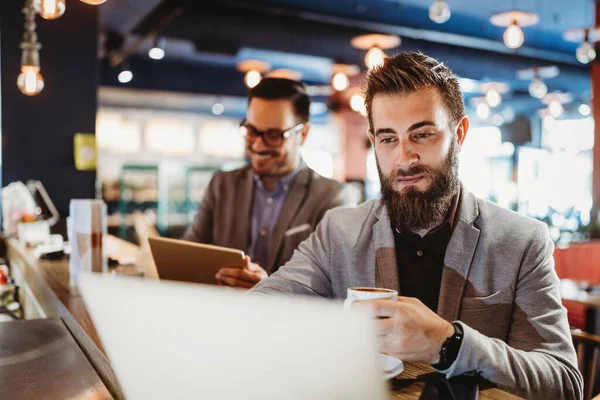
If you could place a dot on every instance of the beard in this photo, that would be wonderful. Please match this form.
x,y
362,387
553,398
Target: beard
x,y
411,210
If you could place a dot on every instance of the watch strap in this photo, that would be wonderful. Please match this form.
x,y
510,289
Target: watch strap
x,y
450,348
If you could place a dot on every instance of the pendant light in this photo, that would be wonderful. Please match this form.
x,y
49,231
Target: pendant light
x,y
439,12
587,37
50,9
375,44
340,79
514,21
538,75
30,81
253,70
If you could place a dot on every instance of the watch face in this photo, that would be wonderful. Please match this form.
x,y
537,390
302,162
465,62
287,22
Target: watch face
x,y
453,344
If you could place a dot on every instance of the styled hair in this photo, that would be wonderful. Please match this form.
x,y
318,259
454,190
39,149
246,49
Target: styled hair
x,y
284,89
409,72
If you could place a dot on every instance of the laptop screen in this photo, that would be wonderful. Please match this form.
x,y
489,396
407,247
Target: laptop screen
x,y
177,340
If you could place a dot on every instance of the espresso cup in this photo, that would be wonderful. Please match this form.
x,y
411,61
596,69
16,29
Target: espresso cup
x,y
368,293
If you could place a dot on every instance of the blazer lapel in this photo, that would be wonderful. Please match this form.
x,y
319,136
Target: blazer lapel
x,y
386,267
458,258
243,206
289,209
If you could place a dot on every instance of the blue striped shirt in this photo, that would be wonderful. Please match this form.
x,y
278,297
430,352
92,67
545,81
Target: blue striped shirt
x,y
266,207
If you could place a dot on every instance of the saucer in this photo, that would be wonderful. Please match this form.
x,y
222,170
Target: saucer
x,y
392,367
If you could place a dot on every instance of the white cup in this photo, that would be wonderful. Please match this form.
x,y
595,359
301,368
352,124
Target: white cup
x,y
87,220
368,293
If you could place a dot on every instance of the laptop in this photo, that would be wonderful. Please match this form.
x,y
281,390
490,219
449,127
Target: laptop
x,y
171,340
181,260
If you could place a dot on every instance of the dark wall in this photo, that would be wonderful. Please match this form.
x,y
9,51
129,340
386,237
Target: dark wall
x,y
37,132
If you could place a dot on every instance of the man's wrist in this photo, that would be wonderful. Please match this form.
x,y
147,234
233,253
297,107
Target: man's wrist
x,y
450,348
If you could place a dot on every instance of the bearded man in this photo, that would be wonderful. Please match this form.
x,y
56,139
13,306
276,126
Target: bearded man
x,y
478,290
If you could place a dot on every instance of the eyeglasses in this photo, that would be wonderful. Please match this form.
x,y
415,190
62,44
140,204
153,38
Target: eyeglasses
x,y
271,137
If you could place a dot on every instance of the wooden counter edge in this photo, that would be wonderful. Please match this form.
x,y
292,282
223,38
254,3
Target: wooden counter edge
x,y
53,307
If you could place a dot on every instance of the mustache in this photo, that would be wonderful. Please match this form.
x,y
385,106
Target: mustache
x,y
264,153
416,170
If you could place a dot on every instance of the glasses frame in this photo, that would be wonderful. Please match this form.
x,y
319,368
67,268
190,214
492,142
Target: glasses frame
x,y
263,134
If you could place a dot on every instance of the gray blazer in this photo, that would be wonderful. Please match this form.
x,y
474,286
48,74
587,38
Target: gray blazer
x,y
498,281
223,217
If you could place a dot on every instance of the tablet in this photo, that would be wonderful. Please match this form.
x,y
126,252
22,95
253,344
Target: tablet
x,y
181,260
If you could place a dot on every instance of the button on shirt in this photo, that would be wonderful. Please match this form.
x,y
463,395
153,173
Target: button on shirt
x,y
420,264
266,207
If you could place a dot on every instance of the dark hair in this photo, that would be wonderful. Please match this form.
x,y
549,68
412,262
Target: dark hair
x,y
284,89
409,72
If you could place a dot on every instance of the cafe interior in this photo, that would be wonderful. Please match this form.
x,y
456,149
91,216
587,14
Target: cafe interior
x,y
133,105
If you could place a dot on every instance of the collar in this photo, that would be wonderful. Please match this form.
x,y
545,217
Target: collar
x,y
284,182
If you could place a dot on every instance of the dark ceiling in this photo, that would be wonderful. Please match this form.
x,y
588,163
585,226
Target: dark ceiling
x,y
207,38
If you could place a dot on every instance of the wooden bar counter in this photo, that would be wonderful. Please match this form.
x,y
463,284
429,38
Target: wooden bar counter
x,y
46,293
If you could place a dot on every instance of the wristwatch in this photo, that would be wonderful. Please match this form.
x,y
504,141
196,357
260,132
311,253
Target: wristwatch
x,y
450,348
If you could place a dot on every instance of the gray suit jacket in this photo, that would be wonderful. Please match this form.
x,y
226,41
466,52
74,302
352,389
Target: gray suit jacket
x,y
223,217
498,281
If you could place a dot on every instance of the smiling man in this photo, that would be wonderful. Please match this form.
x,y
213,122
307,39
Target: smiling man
x,y
269,207
478,290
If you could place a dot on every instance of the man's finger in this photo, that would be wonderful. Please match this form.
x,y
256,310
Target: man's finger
x,y
409,300
229,281
252,266
228,271
255,267
240,274
381,308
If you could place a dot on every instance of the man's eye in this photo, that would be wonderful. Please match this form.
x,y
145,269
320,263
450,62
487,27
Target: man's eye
x,y
422,135
388,140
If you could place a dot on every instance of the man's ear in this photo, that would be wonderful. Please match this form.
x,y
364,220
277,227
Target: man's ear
x,y
462,129
304,132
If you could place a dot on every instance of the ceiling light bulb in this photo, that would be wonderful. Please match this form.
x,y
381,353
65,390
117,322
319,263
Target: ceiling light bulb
x,y
125,76
439,12
585,53
30,82
374,57
340,81
218,108
585,110
357,103
493,98
156,53
483,111
93,2
513,36
49,9
537,88
555,109
252,78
